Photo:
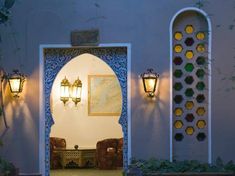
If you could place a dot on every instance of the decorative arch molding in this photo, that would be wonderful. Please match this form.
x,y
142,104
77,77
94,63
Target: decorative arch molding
x,y
206,17
52,59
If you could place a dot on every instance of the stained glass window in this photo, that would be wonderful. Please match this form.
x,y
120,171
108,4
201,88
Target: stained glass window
x,y
178,48
189,83
189,29
200,48
189,105
178,86
178,99
178,73
201,136
178,60
200,86
200,36
178,36
201,124
179,136
189,54
178,112
189,41
189,80
189,92
201,111
200,73
178,124
189,130
189,67
189,117
201,60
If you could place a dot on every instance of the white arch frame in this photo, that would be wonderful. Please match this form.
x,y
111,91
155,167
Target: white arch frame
x,y
41,149
209,79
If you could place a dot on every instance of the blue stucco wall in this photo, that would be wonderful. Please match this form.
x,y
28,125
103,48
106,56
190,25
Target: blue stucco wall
x,y
144,24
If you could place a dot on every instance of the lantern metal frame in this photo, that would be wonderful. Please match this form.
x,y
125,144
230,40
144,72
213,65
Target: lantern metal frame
x,y
150,74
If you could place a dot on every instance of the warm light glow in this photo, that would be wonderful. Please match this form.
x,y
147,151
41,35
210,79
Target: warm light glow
x,y
16,81
76,91
64,90
150,82
15,85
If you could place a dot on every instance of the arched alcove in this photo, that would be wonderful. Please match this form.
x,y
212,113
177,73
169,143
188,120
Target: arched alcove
x,y
190,43
74,123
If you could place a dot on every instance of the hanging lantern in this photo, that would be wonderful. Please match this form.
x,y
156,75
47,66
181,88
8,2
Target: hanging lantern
x,y
76,91
16,82
150,79
64,90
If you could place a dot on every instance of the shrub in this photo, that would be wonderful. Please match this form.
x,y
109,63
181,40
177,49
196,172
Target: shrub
x,y
165,166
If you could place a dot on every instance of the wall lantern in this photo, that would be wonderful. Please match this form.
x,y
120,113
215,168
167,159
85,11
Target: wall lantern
x,y
150,79
76,91
16,82
64,90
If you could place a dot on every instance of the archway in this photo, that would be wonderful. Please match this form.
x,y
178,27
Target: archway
x,y
93,121
53,60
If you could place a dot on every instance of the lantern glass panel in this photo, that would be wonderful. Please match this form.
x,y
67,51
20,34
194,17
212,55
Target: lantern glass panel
x,y
76,94
15,85
150,84
64,91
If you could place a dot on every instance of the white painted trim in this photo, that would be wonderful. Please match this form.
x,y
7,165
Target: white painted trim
x,y
209,78
210,91
171,95
129,153
42,113
42,97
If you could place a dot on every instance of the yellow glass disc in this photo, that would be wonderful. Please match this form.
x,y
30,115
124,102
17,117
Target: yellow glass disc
x,y
189,105
201,111
189,54
178,48
189,29
178,35
201,124
189,130
200,48
200,35
178,124
178,111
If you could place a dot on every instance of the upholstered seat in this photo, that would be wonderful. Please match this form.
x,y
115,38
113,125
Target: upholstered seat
x,y
109,153
55,158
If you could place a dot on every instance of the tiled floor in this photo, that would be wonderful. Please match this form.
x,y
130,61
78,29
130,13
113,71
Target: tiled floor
x,y
85,172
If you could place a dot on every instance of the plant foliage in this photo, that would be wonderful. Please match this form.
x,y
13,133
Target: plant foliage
x,y
6,168
5,10
165,166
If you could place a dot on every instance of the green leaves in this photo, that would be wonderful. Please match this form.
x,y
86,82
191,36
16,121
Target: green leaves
x,y
9,3
164,166
4,10
5,167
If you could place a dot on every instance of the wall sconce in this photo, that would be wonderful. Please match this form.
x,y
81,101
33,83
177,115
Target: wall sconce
x,y
16,82
64,90
150,79
76,91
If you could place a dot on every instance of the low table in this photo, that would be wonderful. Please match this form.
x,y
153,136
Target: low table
x,y
79,158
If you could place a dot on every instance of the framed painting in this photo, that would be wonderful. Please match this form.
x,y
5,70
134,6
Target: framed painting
x,y
104,95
